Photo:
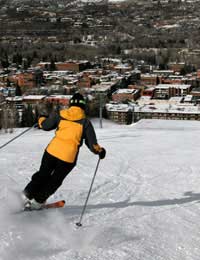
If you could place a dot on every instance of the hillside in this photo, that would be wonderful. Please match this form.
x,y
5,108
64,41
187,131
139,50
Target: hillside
x,y
144,205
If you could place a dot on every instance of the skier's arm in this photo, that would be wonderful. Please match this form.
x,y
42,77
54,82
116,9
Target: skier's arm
x,y
91,140
49,123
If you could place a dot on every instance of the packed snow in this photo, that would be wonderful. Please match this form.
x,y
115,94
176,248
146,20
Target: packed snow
x,y
144,204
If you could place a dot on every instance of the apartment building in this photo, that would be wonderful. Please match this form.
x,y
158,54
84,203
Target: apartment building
x,y
125,94
62,100
167,112
75,66
150,79
166,91
119,113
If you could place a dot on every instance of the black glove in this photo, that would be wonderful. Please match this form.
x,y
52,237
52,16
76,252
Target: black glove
x,y
40,120
102,153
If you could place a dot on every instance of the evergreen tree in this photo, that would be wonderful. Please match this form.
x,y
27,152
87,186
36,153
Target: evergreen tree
x,y
105,113
8,83
36,115
39,77
129,117
9,93
5,61
17,58
18,91
52,65
57,107
35,55
48,108
27,117
157,80
1,118
25,63
17,117
30,116
23,118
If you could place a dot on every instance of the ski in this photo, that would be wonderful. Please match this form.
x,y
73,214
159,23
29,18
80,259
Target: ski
x,y
52,205
57,204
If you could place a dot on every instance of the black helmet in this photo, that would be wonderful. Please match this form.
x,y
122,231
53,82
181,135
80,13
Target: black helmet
x,y
78,101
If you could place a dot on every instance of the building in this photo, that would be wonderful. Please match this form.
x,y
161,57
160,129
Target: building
x,y
122,68
84,82
119,113
17,101
167,112
195,92
173,109
165,91
33,99
125,94
25,79
1,97
150,79
62,100
104,87
176,67
75,66
149,92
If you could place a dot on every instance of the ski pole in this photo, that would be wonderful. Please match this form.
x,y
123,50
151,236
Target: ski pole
x,y
84,207
18,136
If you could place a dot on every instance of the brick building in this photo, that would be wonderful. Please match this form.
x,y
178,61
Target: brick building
x,y
150,79
26,79
176,67
119,113
75,66
125,94
33,99
167,112
165,91
62,100
85,82
149,92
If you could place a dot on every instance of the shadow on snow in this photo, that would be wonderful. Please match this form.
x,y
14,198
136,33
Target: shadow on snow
x,y
188,197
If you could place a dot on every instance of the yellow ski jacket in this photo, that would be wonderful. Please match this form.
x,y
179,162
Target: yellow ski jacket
x,y
72,128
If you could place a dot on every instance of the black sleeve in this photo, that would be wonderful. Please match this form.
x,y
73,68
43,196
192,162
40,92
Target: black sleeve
x,y
90,135
51,122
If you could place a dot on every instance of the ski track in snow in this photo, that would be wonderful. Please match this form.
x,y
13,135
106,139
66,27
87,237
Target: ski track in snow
x,y
144,204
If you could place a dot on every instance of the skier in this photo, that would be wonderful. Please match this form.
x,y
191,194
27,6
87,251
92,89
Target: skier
x,y
61,154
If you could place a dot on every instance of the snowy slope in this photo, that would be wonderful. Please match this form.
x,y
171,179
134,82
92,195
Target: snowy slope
x,y
144,205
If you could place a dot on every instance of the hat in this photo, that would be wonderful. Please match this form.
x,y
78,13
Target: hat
x,y
78,101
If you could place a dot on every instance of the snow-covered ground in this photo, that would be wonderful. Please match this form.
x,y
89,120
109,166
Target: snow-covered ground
x,y
144,204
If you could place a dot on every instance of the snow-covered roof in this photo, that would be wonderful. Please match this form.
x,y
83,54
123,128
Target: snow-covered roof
x,y
148,75
34,97
166,86
16,98
168,108
59,96
118,107
188,98
125,91
176,99
102,87
123,66
163,71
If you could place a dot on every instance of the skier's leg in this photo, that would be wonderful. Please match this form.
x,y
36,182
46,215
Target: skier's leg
x,y
40,178
62,169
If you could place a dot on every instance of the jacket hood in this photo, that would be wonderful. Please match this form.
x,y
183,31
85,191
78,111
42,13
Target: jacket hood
x,y
73,113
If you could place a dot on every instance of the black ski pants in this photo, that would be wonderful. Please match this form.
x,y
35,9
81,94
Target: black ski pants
x,y
48,179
